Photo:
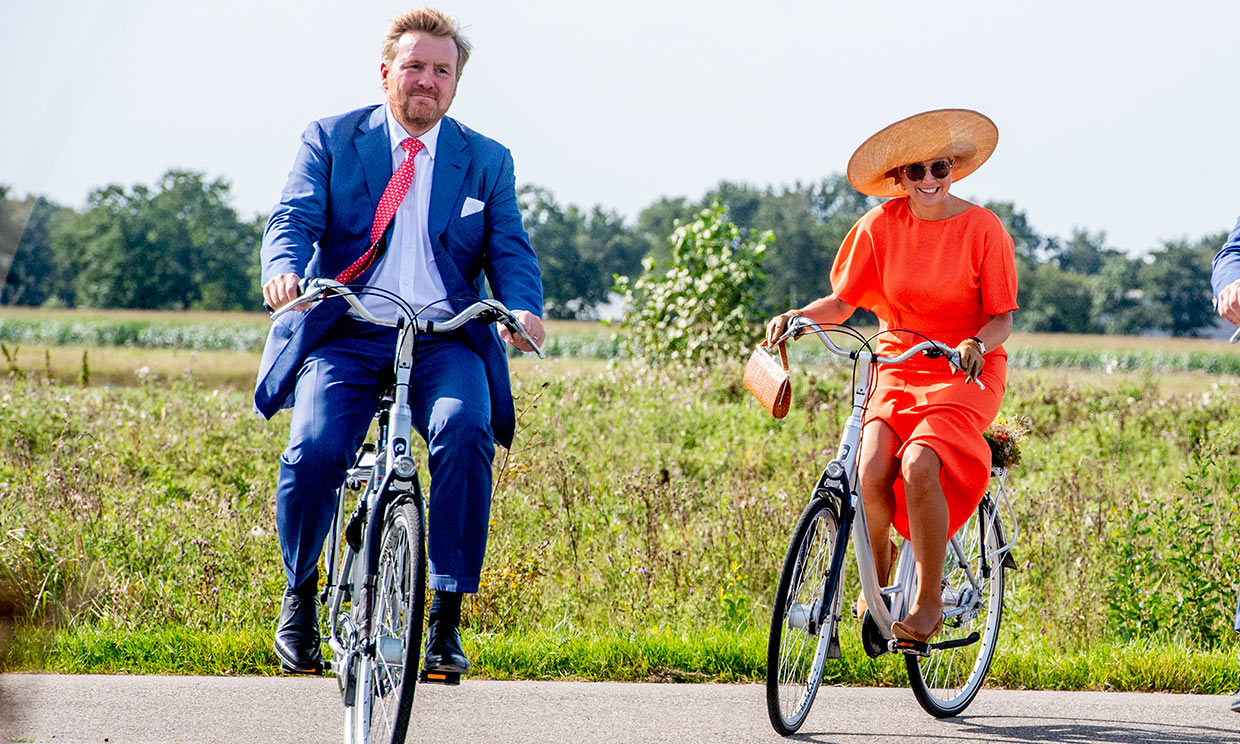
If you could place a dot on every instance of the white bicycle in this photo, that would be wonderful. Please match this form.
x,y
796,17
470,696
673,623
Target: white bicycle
x,y
946,674
376,551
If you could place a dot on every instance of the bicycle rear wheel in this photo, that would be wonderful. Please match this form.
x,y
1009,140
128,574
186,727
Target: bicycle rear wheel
x,y
799,643
386,685
946,681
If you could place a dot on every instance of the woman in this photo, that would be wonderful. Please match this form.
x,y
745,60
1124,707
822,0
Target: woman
x,y
931,262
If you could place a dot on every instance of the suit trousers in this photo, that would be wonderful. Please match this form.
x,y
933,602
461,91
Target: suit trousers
x,y
337,391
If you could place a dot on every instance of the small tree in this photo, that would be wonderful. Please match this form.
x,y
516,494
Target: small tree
x,y
703,306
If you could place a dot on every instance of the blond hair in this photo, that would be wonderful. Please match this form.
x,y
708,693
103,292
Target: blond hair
x,y
428,21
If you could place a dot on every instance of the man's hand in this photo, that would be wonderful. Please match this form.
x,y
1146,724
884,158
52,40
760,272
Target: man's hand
x,y
532,325
1229,302
281,290
971,359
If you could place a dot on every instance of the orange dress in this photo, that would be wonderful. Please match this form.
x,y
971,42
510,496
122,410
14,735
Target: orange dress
x,y
941,278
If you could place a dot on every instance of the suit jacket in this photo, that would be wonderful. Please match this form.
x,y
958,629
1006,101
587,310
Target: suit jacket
x,y
1227,262
322,225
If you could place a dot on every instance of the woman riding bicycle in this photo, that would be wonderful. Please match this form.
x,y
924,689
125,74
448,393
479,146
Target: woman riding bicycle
x,y
936,264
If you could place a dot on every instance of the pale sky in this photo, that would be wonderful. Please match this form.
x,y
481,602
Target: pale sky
x,y
1121,117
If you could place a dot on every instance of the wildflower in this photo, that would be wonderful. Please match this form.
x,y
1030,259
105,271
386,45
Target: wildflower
x,y
1004,438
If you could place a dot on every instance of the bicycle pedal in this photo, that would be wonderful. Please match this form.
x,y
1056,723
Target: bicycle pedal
x,y
909,647
439,678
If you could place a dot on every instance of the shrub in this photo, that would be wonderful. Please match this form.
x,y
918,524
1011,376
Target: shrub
x,y
703,306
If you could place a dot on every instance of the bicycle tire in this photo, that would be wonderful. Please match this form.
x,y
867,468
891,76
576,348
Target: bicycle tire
x,y
947,680
387,682
796,652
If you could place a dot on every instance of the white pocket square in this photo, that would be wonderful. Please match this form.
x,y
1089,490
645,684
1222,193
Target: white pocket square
x,y
471,206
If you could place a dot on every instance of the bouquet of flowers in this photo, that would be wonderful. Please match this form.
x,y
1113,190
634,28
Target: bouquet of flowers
x,y
1005,437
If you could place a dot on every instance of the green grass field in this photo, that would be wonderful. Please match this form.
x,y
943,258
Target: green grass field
x,y
639,521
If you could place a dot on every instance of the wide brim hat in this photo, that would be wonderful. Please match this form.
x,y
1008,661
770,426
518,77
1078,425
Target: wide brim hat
x,y
964,135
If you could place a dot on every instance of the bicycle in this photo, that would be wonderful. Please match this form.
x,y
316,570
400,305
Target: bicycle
x,y
945,674
376,555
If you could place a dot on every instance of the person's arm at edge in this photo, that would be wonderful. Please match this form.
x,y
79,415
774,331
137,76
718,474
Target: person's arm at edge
x,y
1225,277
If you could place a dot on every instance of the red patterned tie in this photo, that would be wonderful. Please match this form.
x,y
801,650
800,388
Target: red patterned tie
x,y
393,195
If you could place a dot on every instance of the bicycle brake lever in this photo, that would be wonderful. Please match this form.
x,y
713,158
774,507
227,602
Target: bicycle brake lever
x,y
517,329
953,359
797,326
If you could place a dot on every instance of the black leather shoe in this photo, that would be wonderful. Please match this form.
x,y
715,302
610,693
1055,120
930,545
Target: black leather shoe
x,y
297,635
444,652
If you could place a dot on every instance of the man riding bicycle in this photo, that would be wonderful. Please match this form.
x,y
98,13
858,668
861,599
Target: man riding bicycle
x,y
396,196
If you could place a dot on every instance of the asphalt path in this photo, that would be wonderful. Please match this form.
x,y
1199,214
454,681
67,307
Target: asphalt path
x,y
48,709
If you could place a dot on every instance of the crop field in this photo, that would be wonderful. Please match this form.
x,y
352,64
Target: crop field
x,y
639,521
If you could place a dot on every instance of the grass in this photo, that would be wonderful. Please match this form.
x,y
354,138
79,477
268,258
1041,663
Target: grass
x,y
639,522
656,655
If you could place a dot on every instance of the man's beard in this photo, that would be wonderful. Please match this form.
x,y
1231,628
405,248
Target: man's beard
x,y
421,112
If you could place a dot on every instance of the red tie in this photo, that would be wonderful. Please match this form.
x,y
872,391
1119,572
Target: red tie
x,y
393,195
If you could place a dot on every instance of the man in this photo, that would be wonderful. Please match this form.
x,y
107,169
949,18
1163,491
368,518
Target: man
x,y
396,196
1226,282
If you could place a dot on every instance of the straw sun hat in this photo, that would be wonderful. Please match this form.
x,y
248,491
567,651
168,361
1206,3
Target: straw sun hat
x,y
961,134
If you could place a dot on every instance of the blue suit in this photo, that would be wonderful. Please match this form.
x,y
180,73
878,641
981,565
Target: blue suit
x,y
1226,271
331,368
1227,262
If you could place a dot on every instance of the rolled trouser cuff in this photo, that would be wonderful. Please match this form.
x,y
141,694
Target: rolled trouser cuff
x,y
444,583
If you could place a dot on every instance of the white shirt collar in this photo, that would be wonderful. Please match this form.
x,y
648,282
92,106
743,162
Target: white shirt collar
x,y
397,134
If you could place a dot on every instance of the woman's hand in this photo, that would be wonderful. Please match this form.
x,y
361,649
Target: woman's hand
x,y
971,359
777,326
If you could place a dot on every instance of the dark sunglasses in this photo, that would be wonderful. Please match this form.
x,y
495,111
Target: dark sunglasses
x,y
917,171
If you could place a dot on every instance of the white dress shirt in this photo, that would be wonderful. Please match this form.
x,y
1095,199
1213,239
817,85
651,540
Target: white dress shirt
x,y
408,266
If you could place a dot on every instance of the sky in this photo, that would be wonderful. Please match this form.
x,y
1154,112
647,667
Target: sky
x,y
1114,117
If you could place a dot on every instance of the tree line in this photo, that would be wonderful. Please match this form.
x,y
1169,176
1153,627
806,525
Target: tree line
x,y
180,245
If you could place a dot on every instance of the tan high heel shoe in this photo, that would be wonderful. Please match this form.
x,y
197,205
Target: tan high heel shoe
x,y
902,632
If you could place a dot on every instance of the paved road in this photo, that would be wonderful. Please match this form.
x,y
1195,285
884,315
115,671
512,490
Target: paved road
x,y
50,709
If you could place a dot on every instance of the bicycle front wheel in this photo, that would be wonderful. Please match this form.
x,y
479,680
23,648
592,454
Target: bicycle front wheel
x,y
801,630
946,681
386,686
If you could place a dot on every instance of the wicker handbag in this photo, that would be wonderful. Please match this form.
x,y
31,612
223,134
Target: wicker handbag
x,y
768,381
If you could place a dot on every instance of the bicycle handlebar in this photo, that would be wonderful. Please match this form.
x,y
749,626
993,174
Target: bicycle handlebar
x,y
489,310
799,325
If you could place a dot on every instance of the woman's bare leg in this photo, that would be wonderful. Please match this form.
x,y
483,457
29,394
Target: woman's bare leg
x,y
879,468
927,522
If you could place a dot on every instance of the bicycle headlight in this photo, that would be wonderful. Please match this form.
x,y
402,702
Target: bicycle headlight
x,y
405,467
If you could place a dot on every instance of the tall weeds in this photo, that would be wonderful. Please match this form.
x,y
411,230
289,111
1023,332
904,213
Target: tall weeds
x,y
635,503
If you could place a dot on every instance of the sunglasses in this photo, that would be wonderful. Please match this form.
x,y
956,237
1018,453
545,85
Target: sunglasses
x,y
917,171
